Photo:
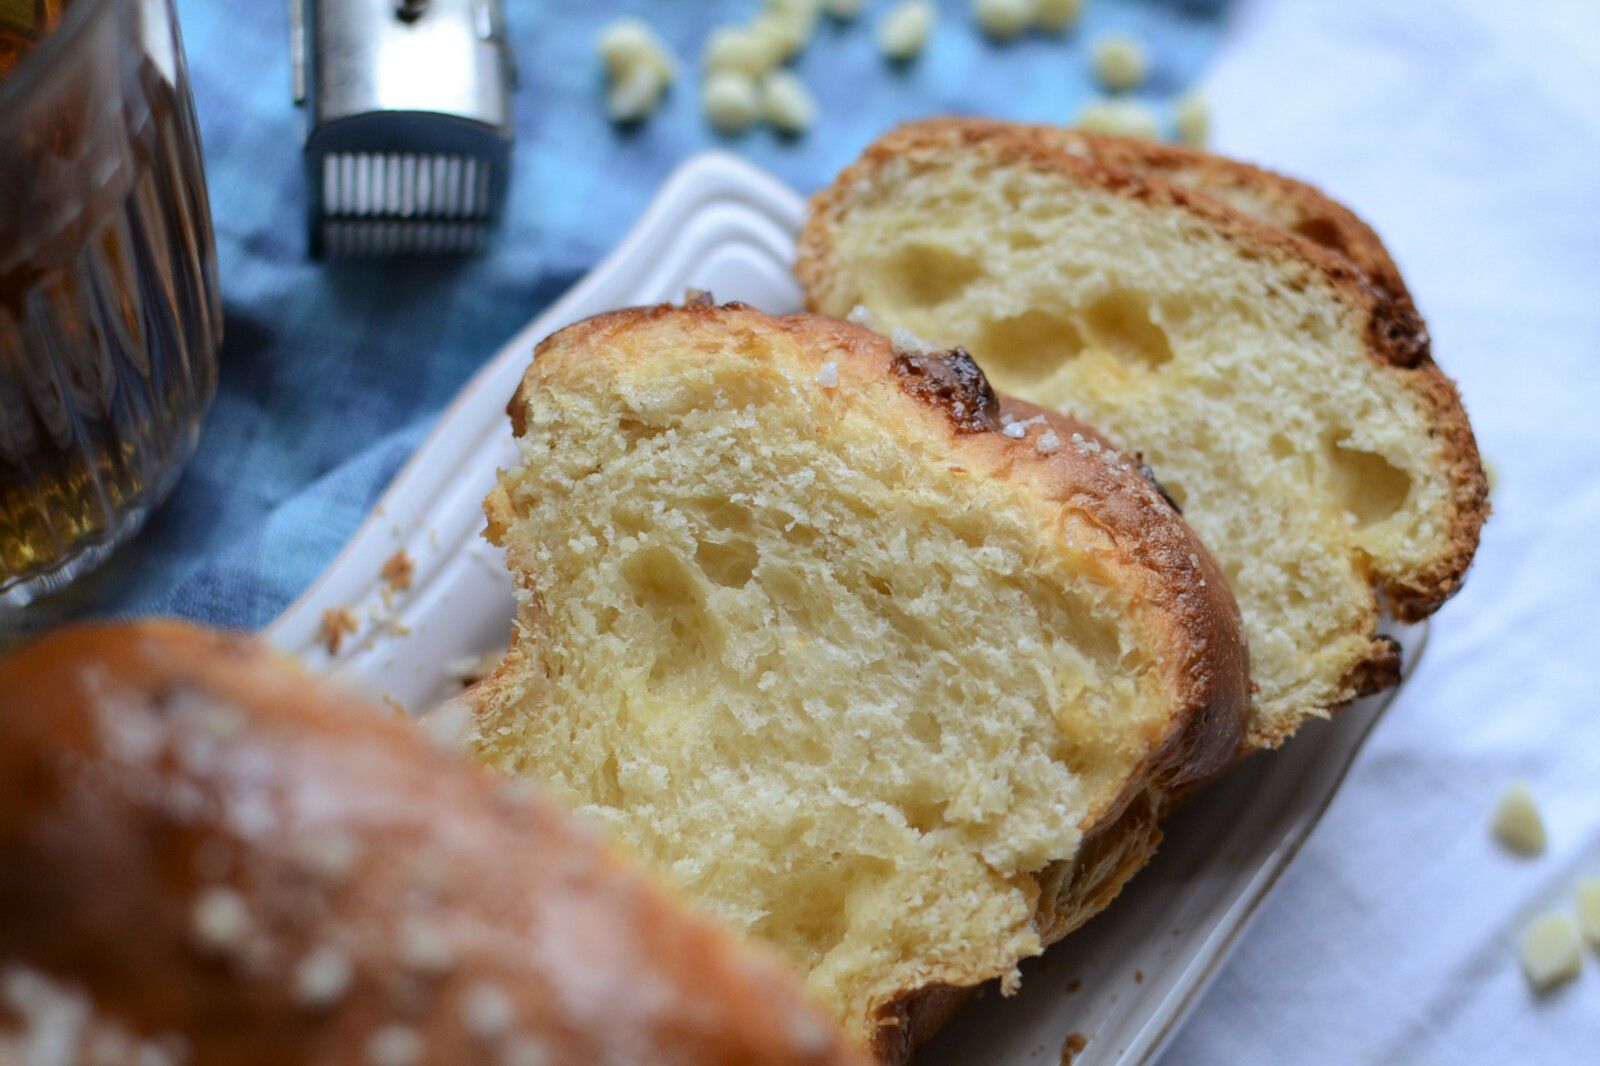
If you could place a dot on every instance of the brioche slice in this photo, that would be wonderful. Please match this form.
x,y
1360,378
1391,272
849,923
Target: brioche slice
x,y
209,857
1287,398
886,673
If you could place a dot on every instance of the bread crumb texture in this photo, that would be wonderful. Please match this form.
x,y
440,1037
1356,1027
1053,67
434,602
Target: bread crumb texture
x,y
854,699
1319,475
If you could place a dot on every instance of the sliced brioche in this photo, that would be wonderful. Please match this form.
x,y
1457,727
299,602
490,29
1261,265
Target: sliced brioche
x,y
209,857
880,682
1279,390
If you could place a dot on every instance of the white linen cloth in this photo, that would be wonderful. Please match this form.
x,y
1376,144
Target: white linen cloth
x,y
1468,134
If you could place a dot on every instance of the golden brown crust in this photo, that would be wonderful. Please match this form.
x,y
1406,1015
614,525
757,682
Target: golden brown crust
x,y
1289,204
1377,301
1179,584
200,841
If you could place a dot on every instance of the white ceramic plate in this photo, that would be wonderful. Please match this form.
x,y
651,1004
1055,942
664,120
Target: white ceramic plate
x,y
1127,979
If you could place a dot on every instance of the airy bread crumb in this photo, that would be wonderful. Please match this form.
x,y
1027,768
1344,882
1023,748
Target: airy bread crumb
x,y
834,659
1285,400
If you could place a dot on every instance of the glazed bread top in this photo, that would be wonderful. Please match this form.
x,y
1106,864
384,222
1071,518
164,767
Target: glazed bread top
x,y
1285,395
208,857
857,652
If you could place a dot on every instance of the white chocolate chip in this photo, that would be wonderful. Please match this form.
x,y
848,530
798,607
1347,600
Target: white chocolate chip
x,y
790,21
1517,824
1191,118
221,921
1120,118
1120,62
1589,909
1550,950
786,104
904,31
742,50
322,978
1057,16
1003,20
634,96
629,43
730,100
828,376
394,1045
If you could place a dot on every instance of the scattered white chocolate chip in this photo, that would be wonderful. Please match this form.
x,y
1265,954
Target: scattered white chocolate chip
x,y
906,28
790,21
1550,950
844,10
1015,430
1003,20
221,921
322,978
487,1010
1517,823
629,43
786,104
1057,16
730,100
1120,62
1048,443
394,1045
1191,118
828,376
742,50
1121,118
1589,909
634,96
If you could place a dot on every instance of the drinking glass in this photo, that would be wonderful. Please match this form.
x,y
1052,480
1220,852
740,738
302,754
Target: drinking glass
x,y
109,311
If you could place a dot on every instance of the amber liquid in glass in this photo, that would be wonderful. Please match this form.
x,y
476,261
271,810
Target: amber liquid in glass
x,y
109,320
23,24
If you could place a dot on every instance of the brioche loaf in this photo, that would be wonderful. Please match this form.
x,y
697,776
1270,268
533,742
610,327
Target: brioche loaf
x,y
890,674
208,858
1264,357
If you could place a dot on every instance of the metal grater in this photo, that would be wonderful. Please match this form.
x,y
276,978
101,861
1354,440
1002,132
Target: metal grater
x,y
408,146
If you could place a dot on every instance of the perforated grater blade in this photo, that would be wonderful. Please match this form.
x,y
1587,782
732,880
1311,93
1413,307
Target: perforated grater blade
x,y
408,140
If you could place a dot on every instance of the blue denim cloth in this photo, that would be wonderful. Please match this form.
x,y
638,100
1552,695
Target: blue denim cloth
x,y
332,373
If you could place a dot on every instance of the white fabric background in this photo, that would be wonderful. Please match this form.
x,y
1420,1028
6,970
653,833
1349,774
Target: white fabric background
x,y
1468,133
